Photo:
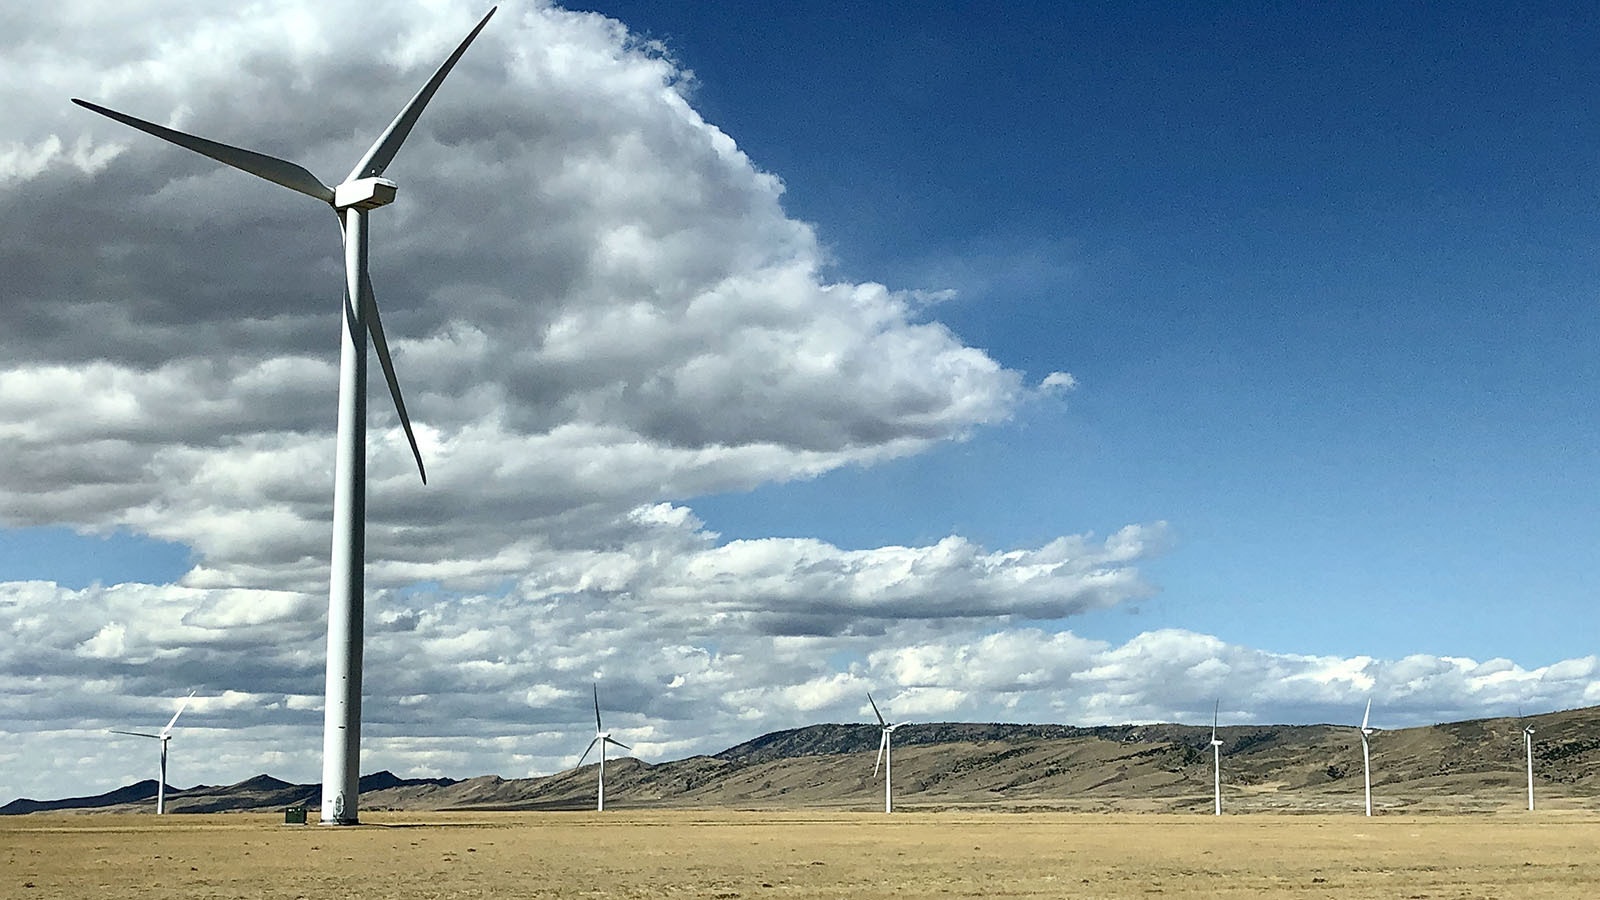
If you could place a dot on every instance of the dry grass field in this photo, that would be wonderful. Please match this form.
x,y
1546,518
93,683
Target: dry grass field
x,y
782,855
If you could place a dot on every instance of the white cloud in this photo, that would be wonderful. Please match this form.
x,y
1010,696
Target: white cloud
x,y
594,298
107,643
1059,382
463,685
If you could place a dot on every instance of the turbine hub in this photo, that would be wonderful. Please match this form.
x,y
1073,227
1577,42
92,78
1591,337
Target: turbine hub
x,y
364,193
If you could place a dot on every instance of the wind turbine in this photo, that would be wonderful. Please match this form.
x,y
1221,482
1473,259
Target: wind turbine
x,y
1527,742
885,756
1366,753
164,737
362,191
602,737
1216,756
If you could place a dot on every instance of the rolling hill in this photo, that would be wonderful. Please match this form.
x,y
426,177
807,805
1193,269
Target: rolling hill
x,y
1472,766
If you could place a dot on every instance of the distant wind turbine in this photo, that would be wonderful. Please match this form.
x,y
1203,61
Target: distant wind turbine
x,y
602,737
1366,752
165,737
363,190
1527,742
885,756
1216,756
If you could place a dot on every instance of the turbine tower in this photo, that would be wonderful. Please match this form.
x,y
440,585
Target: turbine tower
x,y
1366,753
1216,757
1527,742
602,737
165,737
362,191
885,757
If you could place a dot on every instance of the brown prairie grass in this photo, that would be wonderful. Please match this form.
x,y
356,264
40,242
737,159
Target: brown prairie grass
x,y
797,854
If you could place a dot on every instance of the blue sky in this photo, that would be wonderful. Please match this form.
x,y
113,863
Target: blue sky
x,y
738,344
1325,276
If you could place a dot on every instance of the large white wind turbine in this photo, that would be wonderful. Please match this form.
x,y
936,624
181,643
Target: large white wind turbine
x,y
1527,742
1366,752
165,737
363,190
885,756
1216,756
602,737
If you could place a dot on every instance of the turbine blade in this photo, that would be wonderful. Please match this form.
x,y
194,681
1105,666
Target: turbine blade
x,y
1367,715
135,733
597,725
875,710
586,753
610,740
883,744
381,346
1214,711
174,720
382,152
277,171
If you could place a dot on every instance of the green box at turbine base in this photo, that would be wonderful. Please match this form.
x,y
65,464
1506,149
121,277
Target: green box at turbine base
x,y
294,815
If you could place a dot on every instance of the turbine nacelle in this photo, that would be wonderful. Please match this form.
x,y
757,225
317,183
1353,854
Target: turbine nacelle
x,y
364,194
883,744
600,740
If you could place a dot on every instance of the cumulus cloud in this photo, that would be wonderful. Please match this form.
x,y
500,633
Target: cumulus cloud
x,y
677,573
594,297
599,311
498,682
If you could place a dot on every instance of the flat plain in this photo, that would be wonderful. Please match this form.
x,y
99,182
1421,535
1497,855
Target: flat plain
x,y
803,854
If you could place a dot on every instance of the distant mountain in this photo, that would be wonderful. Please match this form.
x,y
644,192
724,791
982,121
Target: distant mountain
x,y
260,792
1455,767
386,780
824,740
134,793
